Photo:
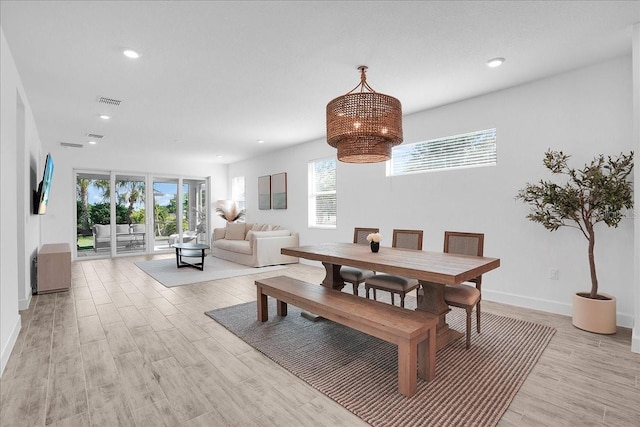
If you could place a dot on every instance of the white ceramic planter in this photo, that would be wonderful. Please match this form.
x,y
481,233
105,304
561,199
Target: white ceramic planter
x,y
594,315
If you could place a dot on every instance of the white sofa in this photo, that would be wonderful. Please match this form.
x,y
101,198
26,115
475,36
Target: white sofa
x,y
255,245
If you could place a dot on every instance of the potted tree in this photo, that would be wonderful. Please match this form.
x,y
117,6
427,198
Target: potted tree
x,y
599,192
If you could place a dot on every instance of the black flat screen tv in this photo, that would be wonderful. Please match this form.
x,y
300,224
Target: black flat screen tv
x,y
41,196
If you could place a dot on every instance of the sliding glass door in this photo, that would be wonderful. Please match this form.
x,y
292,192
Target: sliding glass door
x,y
93,214
165,213
181,222
115,214
194,208
131,227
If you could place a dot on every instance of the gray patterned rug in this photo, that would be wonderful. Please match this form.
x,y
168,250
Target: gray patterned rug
x,y
472,387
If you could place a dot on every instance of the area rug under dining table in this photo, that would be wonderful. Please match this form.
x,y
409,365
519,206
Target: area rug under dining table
x,y
472,387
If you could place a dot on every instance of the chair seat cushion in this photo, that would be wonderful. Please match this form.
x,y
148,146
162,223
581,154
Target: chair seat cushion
x,y
352,274
461,294
391,283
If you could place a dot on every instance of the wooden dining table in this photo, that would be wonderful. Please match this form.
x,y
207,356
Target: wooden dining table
x,y
434,270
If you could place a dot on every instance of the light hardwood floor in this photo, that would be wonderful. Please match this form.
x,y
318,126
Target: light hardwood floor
x,y
121,349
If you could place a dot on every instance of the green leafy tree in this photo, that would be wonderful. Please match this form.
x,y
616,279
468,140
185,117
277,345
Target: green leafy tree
x,y
599,192
172,206
100,213
82,193
138,216
161,215
122,215
105,188
130,193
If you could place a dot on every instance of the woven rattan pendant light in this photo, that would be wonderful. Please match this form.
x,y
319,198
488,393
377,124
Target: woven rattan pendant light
x,y
364,125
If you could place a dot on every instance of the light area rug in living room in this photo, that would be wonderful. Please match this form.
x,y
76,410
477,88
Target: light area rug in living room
x,y
166,271
472,387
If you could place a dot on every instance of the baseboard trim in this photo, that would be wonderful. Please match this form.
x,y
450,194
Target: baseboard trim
x,y
23,304
11,342
635,339
622,319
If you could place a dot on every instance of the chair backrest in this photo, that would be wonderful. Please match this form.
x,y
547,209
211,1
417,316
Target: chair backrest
x,y
407,239
360,234
457,242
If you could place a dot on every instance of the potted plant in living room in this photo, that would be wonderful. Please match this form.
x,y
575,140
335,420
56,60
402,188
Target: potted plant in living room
x,y
229,210
599,192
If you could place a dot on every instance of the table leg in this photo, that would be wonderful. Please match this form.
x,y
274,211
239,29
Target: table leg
x,y
178,257
282,308
332,279
407,364
432,301
263,308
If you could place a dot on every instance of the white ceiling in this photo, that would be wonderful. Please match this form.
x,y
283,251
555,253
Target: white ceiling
x,y
214,77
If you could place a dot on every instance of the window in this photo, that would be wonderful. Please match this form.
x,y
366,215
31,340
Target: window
x,y
471,149
322,193
237,190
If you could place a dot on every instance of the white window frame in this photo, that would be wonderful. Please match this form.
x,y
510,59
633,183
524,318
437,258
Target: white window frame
x,y
238,191
467,150
312,218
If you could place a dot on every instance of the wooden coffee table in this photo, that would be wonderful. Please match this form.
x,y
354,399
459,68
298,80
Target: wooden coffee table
x,y
190,250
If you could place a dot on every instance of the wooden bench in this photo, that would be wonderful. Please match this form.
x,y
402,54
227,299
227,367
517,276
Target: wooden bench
x,y
414,332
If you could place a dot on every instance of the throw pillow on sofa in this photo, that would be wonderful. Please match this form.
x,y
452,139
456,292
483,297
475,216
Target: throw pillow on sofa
x,y
258,227
234,231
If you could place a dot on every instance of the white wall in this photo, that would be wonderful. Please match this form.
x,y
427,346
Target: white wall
x,y
635,340
21,167
19,229
584,113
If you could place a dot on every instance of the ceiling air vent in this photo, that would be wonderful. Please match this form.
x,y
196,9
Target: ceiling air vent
x,y
94,136
70,145
109,101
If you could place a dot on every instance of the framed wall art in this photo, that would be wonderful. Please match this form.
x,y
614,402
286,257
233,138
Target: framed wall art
x,y
264,192
279,191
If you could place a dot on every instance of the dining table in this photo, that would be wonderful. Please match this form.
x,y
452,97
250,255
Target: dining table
x,y
433,270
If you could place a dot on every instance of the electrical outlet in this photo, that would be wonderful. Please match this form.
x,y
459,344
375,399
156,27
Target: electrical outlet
x,y
554,274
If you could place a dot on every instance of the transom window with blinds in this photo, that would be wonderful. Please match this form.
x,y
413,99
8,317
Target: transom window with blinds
x,y
322,193
471,149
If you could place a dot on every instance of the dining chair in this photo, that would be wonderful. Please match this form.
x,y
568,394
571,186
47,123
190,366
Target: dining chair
x,y
353,275
406,239
465,296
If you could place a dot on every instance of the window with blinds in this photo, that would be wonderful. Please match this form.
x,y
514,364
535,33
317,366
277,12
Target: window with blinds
x,y
471,149
322,193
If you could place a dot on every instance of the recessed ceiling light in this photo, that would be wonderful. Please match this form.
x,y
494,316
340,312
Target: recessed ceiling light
x,y
130,53
260,141
495,62
104,117
92,142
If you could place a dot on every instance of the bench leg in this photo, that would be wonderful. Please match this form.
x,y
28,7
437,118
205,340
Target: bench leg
x,y
282,308
427,357
261,302
407,362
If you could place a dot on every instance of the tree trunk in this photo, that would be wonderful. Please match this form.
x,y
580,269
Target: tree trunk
x,y
592,262
85,207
